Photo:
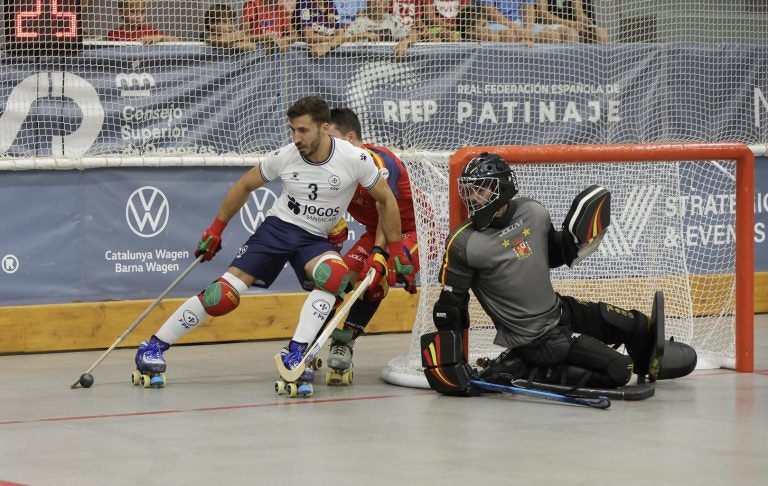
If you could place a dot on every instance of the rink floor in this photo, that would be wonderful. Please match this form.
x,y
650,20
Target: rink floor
x,y
219,422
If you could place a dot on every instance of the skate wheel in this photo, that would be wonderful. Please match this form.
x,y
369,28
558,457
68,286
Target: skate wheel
x,y
316,363
145,381
305,390
135,378
332,378
291,389
346,378
157,380
280,387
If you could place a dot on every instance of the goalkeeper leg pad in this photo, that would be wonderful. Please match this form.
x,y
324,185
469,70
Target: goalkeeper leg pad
x,y
442,357
610,369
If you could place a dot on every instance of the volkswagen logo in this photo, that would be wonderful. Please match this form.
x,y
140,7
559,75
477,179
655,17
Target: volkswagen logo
x,y
147,211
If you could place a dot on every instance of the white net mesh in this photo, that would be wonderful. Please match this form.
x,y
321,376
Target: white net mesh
x,y
665,218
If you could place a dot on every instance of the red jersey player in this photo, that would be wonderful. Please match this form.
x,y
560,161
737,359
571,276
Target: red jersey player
x,y
346,125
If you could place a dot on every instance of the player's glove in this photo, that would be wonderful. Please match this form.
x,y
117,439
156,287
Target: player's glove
x,y
377,260
400,267
210,242
339,234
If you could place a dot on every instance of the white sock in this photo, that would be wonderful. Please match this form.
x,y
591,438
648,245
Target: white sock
x,y
187,317
191,313
313,314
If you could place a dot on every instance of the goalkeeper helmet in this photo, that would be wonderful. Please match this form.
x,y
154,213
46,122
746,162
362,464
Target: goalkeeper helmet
x,y
486,184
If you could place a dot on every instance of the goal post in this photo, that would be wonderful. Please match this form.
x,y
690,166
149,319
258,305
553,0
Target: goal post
x,y
682,221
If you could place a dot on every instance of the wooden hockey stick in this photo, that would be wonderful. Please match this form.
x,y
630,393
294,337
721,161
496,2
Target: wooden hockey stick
x,y
140,318
292,375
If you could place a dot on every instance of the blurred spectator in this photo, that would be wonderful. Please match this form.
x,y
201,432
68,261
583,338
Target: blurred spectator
x,y
222,31
472,24
522,13
317,24
269,21
133,14
409,12
376,19
440,19
348,10
575,14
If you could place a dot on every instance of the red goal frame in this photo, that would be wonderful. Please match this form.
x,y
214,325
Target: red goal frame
x,y
621,153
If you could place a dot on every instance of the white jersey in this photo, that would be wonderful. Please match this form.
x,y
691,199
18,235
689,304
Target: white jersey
x,y
316,194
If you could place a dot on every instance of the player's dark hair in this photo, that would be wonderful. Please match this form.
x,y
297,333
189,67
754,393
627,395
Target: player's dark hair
x,y
314,106
216,13
347,121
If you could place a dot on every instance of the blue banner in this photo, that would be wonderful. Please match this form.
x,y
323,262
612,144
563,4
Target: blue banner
x,y
94,235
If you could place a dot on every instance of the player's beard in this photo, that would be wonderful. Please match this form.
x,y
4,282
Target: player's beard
x,y
310,150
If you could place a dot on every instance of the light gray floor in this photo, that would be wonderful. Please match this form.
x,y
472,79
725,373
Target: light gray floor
x,y
219,422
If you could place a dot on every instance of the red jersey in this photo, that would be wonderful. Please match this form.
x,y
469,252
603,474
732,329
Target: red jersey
x,y
363,206
408,11
120,34
264,16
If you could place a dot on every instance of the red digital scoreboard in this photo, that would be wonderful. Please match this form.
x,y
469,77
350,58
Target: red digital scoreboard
x,y
42,27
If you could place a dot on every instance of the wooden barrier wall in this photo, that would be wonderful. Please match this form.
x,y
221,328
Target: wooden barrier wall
x,y
96,325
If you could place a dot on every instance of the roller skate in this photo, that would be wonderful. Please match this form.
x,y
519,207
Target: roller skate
x,y
340,358
292,356
150,365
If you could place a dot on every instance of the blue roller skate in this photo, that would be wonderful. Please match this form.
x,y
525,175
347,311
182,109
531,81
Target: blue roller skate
x,y
150,365
292,356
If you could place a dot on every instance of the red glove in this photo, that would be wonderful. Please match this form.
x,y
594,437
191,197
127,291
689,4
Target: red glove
x,y
400,266
409,281
377,260
210,242
339,234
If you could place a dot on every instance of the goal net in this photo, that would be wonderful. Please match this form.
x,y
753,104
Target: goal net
x,y
677,214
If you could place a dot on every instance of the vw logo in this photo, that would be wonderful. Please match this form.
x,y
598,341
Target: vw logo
x,y
254,211
147,211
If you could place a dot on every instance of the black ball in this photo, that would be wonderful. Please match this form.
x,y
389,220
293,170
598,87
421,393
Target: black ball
x,y
86,380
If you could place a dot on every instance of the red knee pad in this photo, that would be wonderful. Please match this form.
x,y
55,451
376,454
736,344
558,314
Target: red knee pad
x,y
332,275
219,298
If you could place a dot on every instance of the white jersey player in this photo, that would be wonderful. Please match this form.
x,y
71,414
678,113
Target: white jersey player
x,y
319,176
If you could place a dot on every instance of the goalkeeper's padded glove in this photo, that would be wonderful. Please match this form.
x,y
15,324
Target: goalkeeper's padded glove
x,y
377,260
210,242
399,264
339,234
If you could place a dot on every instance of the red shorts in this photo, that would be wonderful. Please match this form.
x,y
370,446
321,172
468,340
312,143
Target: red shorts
x,y
357,255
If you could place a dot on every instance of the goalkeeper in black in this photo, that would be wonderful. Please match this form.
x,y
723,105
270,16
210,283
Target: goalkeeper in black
x,y
503,253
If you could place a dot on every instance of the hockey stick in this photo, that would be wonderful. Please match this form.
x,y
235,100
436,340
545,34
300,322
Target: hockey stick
x,y
292,375
139,319
600,402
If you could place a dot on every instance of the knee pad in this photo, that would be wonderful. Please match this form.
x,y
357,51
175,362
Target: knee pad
x,y
593,355
331,274
222,296
551,349
442,357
